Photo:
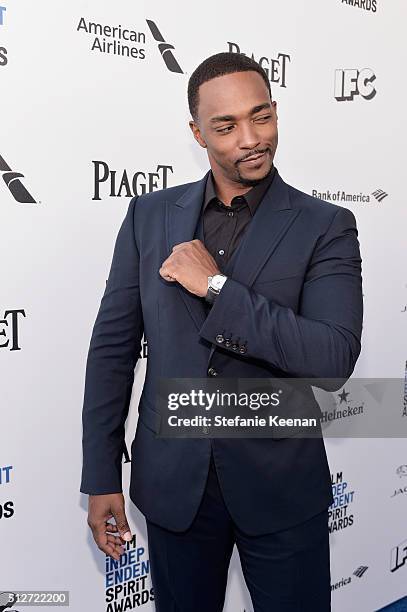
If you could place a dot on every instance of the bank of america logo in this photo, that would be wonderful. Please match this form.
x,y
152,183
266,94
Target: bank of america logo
x,y
13,182
164,48
360,571
379,194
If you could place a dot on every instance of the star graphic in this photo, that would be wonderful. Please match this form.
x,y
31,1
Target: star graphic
x,y
343,396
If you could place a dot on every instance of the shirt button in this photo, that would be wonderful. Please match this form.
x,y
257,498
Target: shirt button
x,y
221,252
230,213
212,372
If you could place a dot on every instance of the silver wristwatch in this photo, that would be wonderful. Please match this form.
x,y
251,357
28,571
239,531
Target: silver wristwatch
x,y
215,284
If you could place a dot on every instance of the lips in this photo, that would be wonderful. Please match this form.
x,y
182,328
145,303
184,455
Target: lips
x,y
254,157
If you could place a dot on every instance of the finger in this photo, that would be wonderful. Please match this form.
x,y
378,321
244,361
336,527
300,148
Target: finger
x,y
115,548
116,541
111,551
166,274
122,524
110,527
120,550
103,544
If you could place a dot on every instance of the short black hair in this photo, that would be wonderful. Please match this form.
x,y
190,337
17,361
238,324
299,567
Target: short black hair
x,y
218,65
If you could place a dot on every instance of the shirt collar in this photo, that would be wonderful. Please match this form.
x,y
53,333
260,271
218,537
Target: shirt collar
x,y
252,198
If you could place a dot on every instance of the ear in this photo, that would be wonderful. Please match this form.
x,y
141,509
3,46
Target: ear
x,y
274,105
197,133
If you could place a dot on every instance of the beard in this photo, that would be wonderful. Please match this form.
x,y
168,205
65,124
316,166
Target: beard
x,y
248,182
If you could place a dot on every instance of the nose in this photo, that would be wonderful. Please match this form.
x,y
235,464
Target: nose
x,y
248,137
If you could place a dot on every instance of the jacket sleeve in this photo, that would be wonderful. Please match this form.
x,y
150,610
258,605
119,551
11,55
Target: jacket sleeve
x,y
113,352
323,339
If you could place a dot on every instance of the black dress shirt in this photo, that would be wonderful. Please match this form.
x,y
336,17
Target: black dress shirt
x,y
224,226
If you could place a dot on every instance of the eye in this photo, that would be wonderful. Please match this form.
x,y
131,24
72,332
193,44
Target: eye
x,y
263,118
225,130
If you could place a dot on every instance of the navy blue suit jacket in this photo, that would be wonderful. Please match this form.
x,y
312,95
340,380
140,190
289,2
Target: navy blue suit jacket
x,y
294,299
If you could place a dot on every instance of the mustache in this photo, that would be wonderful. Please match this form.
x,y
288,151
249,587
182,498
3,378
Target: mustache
x,y
255,152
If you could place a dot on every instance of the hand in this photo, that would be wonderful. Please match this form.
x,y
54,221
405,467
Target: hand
x,y
101,509
190,264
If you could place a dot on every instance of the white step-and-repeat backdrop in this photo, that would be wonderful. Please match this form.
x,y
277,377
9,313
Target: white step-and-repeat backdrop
x,y
93,111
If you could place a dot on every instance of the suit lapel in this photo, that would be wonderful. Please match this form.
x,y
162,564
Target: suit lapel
x,y
183,223
272,219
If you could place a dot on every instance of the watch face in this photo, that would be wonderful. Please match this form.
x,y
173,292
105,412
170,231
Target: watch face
x,y
217,281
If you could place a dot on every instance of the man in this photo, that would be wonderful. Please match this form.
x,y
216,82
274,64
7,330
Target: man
x,y
236,275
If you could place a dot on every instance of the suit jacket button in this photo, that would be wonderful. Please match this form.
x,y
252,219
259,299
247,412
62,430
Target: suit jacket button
x,y
235,347
212,372
228,341
220,338
242,349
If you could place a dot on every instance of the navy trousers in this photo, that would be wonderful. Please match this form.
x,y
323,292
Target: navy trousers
x,y
287,571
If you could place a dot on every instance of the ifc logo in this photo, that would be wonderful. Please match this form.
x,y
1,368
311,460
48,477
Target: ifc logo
x,y
352,82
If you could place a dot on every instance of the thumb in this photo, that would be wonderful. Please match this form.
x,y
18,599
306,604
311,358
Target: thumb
x,y
122,524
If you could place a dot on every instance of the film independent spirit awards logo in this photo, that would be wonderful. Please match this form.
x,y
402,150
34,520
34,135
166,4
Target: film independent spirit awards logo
x,y
127,581
367,5
7,506
3,50
340,514
7,598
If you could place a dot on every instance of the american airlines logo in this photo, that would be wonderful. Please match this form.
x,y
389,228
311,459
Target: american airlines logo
x,y
14,184
164,48
379,194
